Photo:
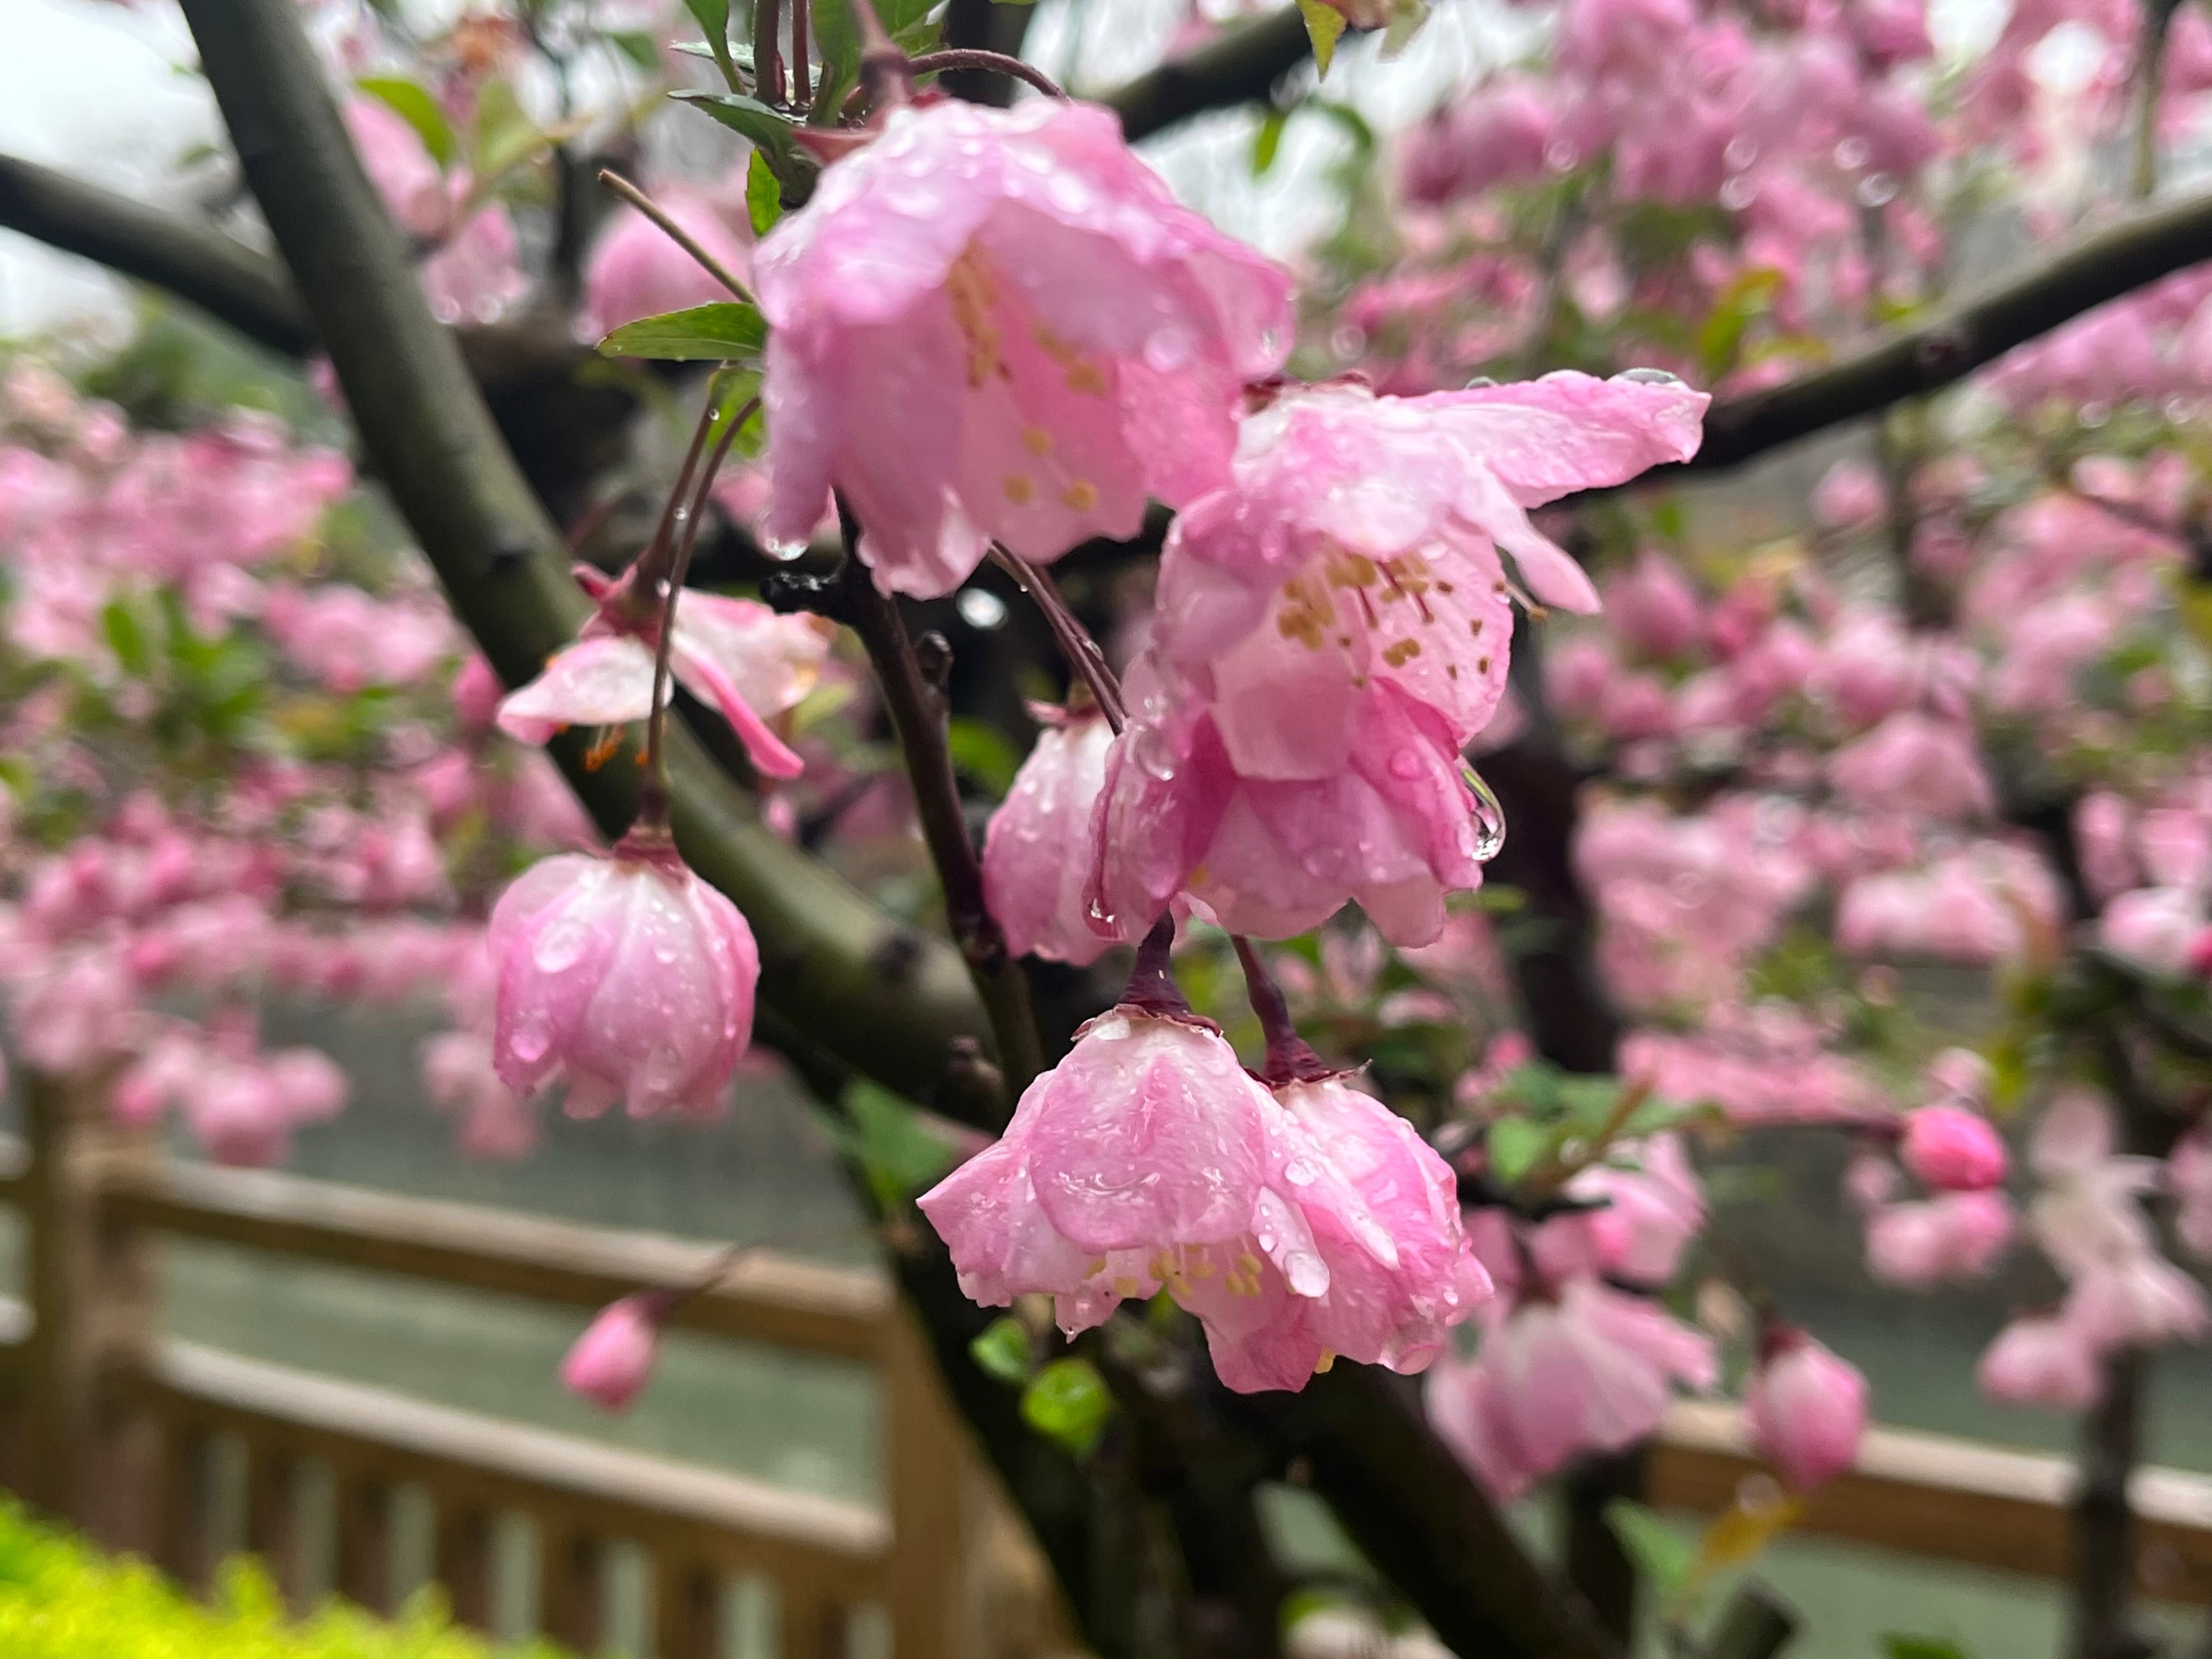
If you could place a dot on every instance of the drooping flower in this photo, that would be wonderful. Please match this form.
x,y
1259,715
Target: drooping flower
x,y
1398,827
1034,872
1952,1149
1953,1236
1650,1212
998,323
628,976
2038,1360
1384,1211
749,662
1806,1408
611,1362
1586,1369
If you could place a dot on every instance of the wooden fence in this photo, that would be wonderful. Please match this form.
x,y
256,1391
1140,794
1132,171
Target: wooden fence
x,y
105,1420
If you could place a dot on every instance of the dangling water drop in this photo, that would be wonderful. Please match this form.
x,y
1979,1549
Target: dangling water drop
x,y
1488,817
782,552
559,946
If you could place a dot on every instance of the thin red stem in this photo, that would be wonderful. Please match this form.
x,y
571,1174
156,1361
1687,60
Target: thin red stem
x,y
676,232
1289,1058
974,57
1074,639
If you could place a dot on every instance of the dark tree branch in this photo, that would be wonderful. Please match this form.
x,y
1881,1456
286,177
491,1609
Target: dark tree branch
x,y
834,966
1242,67
195,262
984,26
1960,338
918,715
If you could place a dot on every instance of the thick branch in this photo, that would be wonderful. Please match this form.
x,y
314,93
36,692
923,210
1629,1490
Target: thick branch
x,y
195,262
888,1001
1242,67
1965,335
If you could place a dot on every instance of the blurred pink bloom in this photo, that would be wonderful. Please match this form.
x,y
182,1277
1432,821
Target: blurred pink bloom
x,y
611,1362
1849,496
459,1074
1653,606
75,1010
1985,902
2189,1180
1494,135
1917,765
627,975
1952,1149
349,641
2156,928
1034,873
636,270
2040,1361
1951,1236
1806,1408
1587,1370
1651,1211
999,324
737,654
472,272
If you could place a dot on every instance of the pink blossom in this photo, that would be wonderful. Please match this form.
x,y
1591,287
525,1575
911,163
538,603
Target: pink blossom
x,y
1983,902
1952,1149
1146,1158
472,272
459,1074
627,975
1496,135
611,1362
2135,1299
1849,496
2155,928
1384,1211
1653,607
1806,1408
1651,1211
2188,1180
1394,829
1915,764
75,1010
1361,541
746,661
2040,1361
998,323
1586,1370
636,270
349,641
1951,1236
1033,872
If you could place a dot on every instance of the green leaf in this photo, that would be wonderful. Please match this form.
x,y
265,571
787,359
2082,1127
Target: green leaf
x,y
714,17
505,135
1324,27
747,117
1003,1351
1897,1646
1267,140
725,329
126,637
1660,1552
982,752
898,1155
1067,1402
837,44
636,45
763,196
1515,1145
414,105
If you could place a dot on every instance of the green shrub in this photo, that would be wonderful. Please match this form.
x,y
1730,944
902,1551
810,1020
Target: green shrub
x,y
59,1599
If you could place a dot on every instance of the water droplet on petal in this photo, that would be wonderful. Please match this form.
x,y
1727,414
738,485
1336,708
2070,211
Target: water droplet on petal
x,y
1877,190
1488,817
1167,349
1651,377
559,946
1405,765
530,1040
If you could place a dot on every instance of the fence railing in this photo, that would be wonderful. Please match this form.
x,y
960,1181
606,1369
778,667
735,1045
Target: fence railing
x,y
106,1420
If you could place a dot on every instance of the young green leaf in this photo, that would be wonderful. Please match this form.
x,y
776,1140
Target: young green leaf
x,y
749,117
722,331
1324,25
837,44
1267,140
415,106
1067,1402
763,196
1003,1351
638,46
506,137
1661,1553
1515,1146
899,1155
1895,1646
714,18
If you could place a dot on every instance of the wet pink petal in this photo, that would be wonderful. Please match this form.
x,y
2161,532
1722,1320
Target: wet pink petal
x,y
1033,868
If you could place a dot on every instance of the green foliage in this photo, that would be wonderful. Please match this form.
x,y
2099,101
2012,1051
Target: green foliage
x,y
764,195
1663,1557
414,105
721,332
1003,1351
885,1137
714,17
837,42
1324,25
1067,1402
1896,1646
59,1600
983,752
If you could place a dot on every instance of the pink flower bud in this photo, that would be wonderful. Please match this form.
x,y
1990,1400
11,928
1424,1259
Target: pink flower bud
x,y
626,974
613,1359
1807,1409
1953,1150
1033,872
